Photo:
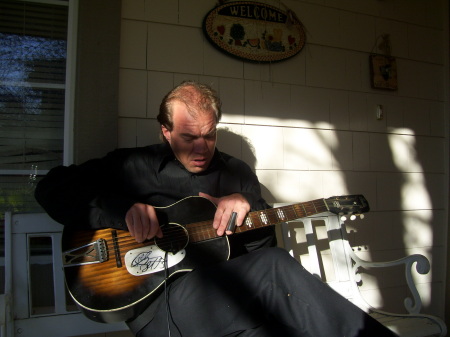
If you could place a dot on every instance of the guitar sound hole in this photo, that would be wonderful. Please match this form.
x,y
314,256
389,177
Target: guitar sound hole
x,y
175,238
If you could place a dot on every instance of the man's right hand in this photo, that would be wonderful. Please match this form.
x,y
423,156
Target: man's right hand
x,y
142,222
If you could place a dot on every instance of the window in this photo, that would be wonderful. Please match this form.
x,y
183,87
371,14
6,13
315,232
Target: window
x,y
33,98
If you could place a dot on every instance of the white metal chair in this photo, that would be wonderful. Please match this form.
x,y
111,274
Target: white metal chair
x,y
20,316
347,268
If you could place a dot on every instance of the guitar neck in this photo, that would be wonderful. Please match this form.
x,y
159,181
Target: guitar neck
x,y
202,231
274,216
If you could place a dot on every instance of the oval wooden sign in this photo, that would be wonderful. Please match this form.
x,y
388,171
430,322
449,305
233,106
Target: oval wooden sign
x,y
254,31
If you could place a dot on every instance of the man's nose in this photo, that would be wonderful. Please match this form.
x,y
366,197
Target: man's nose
x,y
200,145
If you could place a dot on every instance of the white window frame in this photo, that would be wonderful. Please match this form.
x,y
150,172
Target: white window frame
x,y
69,86
68,149
69,92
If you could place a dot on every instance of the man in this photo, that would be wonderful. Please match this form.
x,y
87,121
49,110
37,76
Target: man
x,y
260,291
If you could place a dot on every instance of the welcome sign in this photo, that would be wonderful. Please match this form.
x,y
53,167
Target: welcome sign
x,y
254,31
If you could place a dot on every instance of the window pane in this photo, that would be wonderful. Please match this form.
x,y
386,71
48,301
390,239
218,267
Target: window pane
x,y
32,127
32,74
33,44
17,193
42,296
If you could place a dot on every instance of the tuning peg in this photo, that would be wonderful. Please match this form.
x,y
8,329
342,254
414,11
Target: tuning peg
x,y
343,218
361,216
353,217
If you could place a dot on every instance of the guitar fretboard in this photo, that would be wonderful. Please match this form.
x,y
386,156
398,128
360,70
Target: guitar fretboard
x,y
202,231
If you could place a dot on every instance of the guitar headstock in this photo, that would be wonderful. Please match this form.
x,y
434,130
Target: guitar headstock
x,y
351,205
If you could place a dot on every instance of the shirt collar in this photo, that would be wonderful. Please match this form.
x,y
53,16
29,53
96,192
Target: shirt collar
x,y
168,156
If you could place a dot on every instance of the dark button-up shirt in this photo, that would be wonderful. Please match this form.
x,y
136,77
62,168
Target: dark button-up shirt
x,y
98,193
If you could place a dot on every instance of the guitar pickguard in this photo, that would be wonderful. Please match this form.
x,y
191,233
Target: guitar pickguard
x,y
151,259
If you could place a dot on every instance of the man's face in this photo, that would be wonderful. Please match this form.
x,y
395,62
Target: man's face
x,y
193,139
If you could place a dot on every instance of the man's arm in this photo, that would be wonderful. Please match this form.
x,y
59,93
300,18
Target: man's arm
x,y
250,189
84,195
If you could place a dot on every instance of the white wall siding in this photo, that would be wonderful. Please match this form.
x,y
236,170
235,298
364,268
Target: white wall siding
x,y
308,125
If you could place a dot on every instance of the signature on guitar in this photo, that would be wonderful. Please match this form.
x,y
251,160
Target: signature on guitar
x,y
150,259
145,261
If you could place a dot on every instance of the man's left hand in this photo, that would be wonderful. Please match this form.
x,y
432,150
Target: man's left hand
x,y
225,207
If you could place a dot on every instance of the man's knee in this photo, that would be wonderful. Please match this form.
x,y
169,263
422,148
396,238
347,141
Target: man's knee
x,y
277,255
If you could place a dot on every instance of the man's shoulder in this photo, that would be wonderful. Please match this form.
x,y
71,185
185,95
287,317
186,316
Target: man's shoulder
x,y
233,162
151,154
154,149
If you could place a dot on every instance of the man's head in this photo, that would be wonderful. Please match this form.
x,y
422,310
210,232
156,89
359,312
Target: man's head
x,y
188,116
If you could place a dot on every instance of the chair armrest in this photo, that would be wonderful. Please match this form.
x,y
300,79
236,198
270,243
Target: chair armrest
x,y
412,305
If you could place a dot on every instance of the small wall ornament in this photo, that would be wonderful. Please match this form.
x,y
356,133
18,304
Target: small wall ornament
x,y
383,68
254,31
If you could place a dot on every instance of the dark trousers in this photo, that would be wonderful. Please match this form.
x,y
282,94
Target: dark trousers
x,y
264,293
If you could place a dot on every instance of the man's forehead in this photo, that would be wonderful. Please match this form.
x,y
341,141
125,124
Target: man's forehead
x,y
195,128
194,110
198,132
192,118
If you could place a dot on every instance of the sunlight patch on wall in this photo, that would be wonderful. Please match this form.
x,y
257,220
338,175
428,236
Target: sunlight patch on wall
x,y
417,230
297,164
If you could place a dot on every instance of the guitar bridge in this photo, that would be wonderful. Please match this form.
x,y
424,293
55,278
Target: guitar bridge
x,y
94,252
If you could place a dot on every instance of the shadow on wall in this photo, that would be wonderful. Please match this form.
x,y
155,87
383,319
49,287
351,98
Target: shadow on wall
x,y
240,147
380,237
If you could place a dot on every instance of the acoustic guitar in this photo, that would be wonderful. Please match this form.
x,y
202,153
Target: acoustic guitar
x,y
113,278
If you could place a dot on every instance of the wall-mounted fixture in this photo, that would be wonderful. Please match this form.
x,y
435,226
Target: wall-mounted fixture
x,y
379,112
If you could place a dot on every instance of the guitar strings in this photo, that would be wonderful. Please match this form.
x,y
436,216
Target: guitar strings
x,y
203,230
126,240
197,231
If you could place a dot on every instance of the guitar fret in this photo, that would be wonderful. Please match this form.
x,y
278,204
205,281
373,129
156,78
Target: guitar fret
x,y
201,231
199,235
309,209
205,234
272,216
256,221
300,210
305,212
290,212
320,205
315,209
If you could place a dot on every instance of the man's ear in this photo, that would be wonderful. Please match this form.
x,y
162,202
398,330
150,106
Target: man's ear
x,y
165,132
